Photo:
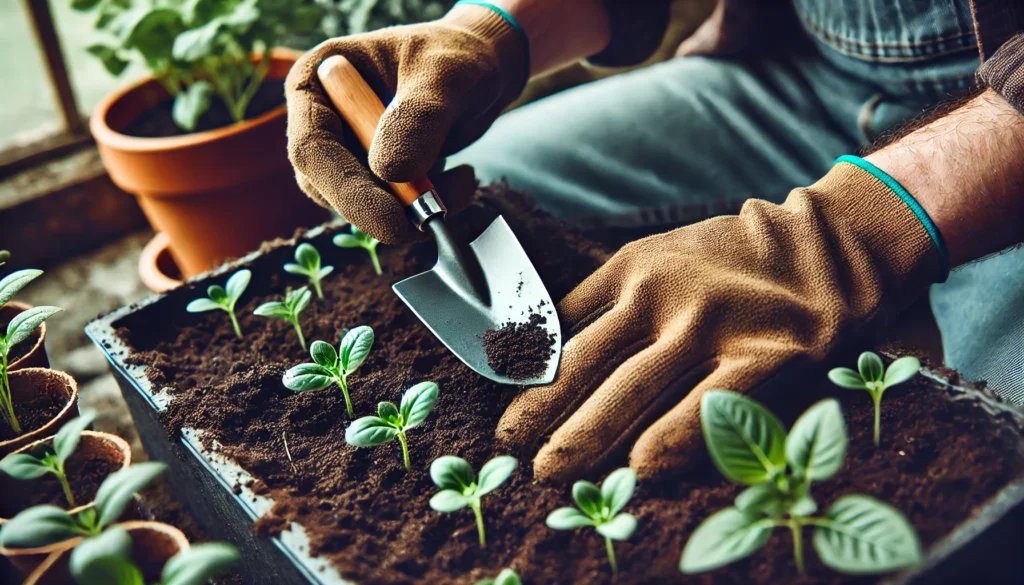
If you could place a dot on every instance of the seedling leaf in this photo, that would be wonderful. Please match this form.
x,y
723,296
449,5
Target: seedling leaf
x,y
617,489
505,577
25,322
902,370
620,527
761,499
862,535
568,519
202,305
452,473
192,103
116,491
494,473
237,284
369,431
355,346
23,466
870,367
587,497
306,377
217,294
15,281
275,309
448,500
199,564
105,560
417,402
324,354
307,256
816,445
67,438
38,526
846,378
745,440
388,412
726,536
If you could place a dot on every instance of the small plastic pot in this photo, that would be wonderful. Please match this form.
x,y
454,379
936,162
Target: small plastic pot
x,y
36,357
153,544
157,268
27,383
92,447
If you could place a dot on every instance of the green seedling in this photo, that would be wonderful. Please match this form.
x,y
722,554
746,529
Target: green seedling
x,y
461,488
48,460
223,298
856,534
18,330
505,577
307,263
107,560
600,508
876,379
392,421
4,257
295,301
360,239
46,525
330,366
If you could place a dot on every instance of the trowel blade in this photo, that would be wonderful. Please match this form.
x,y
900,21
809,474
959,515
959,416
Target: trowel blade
x,y
515,291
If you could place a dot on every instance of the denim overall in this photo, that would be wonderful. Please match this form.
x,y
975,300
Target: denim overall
x,y
692,137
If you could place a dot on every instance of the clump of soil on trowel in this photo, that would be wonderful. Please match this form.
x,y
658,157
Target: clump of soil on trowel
x,y
520,351
938,462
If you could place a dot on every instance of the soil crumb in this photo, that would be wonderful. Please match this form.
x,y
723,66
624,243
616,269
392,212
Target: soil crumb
x,y
520,351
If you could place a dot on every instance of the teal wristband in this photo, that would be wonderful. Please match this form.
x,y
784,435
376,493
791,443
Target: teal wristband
x,y
908,199
511,22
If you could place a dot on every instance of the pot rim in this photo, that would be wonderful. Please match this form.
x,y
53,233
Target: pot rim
x,y
111,138
35,348
33,436
122,446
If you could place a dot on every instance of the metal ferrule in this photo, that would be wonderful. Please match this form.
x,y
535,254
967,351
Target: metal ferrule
x,y
425,207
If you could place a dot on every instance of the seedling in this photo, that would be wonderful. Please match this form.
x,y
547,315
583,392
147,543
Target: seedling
x,y
460,487
223,298
107,560
600,508
18,330
49,461
505,577
360,239
46,525
876,379
4,257
856,535
391,421
330,366
295,301
307,263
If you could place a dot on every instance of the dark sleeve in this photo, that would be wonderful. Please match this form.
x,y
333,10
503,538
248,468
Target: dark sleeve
x,y
636,31
1004,71
999,25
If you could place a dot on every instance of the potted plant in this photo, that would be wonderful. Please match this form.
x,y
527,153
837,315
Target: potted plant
x,y
201,140
44,400
244,445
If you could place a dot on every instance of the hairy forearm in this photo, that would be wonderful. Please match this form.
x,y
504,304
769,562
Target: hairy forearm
x,y
560,32
967,170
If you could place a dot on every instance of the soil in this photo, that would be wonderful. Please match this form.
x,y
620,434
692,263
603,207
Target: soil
x,y
520,350
939,459
158,121
85,474
34,413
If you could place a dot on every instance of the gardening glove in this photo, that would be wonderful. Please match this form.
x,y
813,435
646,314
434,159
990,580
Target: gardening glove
x,y
728,303
450,79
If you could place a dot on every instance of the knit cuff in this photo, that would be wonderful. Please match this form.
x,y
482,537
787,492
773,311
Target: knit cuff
x,y
499,27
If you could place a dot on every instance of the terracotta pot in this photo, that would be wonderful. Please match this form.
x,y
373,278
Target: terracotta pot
x,y
216,194
93,446
29,382
153,544
157,268
36,357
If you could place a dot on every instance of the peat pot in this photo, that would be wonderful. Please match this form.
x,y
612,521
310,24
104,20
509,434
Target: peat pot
x,y
218,490
48,397
216,194
34,354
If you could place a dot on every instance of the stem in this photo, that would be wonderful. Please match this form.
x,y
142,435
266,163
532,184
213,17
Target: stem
x,y
611,554
798,545
319,290
63,479
298,331
5,394
479,523
877,398
373,258
344,390
234,323
405,451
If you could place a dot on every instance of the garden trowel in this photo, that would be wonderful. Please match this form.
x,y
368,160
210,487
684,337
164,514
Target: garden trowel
x,y
471,289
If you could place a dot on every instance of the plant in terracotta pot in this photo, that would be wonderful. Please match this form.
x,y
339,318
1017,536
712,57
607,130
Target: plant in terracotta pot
x,y
201,140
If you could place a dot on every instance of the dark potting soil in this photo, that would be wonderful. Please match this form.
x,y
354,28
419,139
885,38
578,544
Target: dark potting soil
x,y
85,474
34,413
939,460
520,350
158,121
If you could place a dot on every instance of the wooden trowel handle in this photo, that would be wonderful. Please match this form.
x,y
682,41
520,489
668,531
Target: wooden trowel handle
x,y
362,109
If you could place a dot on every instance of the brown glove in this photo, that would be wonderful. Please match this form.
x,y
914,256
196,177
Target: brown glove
x,y
449,78
726,303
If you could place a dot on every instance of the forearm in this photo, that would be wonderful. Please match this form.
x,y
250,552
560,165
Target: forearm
x,y
560,32
967,171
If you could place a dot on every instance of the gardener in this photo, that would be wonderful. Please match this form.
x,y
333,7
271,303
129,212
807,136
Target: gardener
x,y
738,300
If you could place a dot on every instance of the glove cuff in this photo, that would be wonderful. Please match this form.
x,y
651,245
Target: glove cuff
x,y
501,30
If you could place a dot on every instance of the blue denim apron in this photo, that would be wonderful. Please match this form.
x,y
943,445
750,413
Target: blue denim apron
x,y
682,140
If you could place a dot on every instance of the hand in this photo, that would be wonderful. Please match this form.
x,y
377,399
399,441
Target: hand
x,y
730,302
450,79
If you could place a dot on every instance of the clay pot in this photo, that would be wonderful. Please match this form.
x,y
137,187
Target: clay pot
x,y
157,268
27,383
36,357
92,447
153,544
217,194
